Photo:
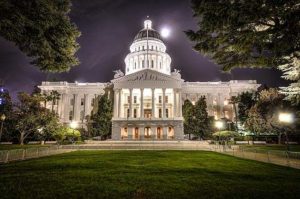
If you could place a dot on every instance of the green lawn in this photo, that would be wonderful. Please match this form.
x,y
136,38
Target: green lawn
x,y
147,174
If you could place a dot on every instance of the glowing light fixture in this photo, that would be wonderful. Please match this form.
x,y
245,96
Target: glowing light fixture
x,y
73,124
286,117
219,124
165,32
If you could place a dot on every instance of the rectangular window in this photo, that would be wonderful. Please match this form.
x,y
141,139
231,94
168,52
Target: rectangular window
x,y
82,101
128,112
135,99
71,115
128,99
167,99
81,115
160,113
152,63
134,113
159,99
167,113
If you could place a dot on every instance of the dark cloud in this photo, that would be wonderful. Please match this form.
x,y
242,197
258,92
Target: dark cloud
x,y
108,28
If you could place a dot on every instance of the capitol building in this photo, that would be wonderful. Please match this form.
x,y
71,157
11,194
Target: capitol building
x,y
148,96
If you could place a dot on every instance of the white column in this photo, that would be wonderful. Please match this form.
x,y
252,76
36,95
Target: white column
x,y
142,103
174,103
164,103
153,103
142,132
119,103
180,103
130,103
66,104
76,108
86,105
165,132
115,104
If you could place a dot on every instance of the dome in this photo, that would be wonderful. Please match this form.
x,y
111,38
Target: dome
x,y
151,34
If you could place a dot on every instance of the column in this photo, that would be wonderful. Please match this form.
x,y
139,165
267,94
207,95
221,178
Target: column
x,y
165,132
76,114
129,129
130,103
142,132
119,103
180,103
153,103
86,105
164,103
174,103
66,104
142,103
153,132
115,104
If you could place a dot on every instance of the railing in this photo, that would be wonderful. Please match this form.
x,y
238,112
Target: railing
x,y
29,153
285,158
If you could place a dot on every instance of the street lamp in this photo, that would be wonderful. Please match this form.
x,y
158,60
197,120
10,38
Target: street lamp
x,y
73,125
286,118
2,118
219,125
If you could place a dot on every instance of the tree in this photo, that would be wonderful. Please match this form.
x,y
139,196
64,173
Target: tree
x,y
31,118
225,135
250,34
234,100
101,120
245,101
42,30
188,115
53,96
201,118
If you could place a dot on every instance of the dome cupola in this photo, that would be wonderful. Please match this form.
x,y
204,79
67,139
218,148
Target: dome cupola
x,y
148,52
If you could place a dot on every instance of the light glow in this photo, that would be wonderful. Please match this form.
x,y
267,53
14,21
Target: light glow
x,y
73,124
286,117
219,124
165,32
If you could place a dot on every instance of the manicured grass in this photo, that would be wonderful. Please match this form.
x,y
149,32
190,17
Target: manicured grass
x,y
147,174
295,148
17,146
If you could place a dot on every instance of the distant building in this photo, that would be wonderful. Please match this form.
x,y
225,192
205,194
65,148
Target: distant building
x,y
148,98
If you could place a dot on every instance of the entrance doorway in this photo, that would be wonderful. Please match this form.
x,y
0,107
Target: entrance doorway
x,y
159,133
147,132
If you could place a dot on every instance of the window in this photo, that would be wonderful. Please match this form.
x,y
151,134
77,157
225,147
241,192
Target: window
x,y
160,65
135,99
72,101
82,102
143,47
167,113
167,99
128,112
71,115
152,63
128,99
134,113
159,99
81,115
143,63
159,113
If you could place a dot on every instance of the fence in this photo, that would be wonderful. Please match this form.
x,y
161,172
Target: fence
x,y
285,158
29,153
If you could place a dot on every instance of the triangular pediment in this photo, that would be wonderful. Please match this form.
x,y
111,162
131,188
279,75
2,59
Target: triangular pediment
x,y
146,75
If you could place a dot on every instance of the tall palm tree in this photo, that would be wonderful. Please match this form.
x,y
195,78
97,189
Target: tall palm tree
x,y
235,100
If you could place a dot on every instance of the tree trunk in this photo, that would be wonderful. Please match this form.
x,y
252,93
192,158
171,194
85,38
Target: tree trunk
x,y
22,137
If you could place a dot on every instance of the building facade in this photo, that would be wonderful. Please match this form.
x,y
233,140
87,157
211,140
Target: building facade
x,y
148,98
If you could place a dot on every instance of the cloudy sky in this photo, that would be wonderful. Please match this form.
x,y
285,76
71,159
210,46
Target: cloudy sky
x,y
108,28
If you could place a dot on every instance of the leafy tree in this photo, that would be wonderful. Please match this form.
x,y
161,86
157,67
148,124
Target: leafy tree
x,y
101,120
250,34
72,134
31,118
60,134
201,118
225,135
42,30
245,101
189,120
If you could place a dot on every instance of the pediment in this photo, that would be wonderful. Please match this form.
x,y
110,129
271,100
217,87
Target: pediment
x,y
146,75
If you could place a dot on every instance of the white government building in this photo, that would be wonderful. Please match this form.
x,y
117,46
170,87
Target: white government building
x,y
148,99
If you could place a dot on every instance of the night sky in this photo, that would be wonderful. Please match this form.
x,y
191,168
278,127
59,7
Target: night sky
x,y
108,28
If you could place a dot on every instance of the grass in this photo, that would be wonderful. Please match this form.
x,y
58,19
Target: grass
x,y
276,147
146,174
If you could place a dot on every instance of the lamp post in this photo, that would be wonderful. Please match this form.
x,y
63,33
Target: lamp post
x,y
2,118
219,125
286,118
73,126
